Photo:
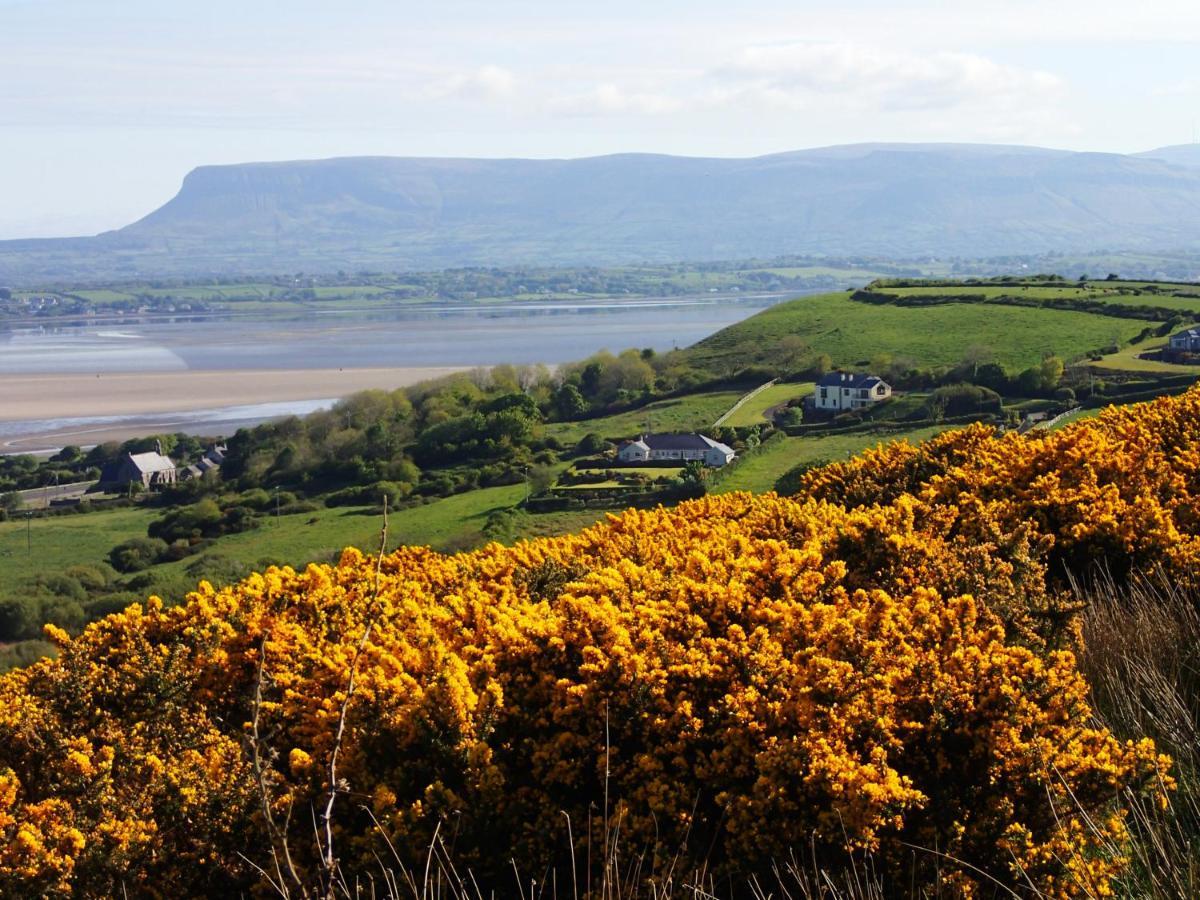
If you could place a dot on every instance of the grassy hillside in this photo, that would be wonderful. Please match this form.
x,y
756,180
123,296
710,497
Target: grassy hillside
x,y
852,333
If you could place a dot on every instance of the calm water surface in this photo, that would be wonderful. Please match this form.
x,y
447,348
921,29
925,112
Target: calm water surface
x,y
550,332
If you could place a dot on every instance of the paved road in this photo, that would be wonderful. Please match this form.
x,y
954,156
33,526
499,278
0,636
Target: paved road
x,y
39,498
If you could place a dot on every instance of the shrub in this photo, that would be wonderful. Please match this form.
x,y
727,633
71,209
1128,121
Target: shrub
x,y
20,617
137,554
884,662
93,576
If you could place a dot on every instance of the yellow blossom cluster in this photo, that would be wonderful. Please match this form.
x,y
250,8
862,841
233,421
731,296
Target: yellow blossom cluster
x,y
880,665
1122,489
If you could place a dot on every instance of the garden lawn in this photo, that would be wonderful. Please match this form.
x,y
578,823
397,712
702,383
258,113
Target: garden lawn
x,y
695,412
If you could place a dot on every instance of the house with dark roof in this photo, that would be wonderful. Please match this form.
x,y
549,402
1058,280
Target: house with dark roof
x,y
682,447
147,469
839,391
1187,341
212,459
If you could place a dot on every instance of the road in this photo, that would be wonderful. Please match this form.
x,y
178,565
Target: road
x,y
39,498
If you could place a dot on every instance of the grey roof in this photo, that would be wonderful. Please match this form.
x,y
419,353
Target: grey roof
x,y
849,380
678,442
151,462
1190,333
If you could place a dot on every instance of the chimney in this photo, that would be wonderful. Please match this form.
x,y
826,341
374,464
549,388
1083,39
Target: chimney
x,y
158,447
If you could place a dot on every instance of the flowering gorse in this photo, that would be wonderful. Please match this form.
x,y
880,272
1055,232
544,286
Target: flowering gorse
x,y
880,664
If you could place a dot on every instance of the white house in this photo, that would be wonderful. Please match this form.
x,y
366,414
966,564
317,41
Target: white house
x,y
849,390
683,447
1186,341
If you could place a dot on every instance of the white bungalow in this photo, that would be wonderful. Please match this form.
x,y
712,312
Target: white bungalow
x,y
683,447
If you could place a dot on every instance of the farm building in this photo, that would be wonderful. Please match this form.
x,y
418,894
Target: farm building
x,y
1187,341
147,469
682,447
838,391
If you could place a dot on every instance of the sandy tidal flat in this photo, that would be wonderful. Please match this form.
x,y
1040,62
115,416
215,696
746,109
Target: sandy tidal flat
x,y
89,409
127,394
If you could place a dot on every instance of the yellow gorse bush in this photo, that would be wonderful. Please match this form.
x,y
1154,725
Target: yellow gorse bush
x,y
882,663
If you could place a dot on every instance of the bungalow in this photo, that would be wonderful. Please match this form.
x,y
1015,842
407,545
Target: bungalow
x,y
838,391
1187,341
147,469
682,447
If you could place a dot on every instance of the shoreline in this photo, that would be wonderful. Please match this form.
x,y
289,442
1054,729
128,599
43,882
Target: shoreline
x,y
139,403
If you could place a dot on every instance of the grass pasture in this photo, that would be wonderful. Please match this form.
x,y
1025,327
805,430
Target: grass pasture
x,y
754,411
1116,293
1127,360
760,472
852,333
56,542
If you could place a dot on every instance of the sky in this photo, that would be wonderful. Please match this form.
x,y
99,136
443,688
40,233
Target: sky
x,y
106,104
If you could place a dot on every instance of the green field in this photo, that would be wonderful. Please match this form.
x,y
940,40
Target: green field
x,y
102,297
852,333
758,473
1126,360
691,413
1117,293
753,411
56,542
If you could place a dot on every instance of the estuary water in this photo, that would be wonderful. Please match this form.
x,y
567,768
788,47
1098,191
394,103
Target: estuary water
x,y
428,335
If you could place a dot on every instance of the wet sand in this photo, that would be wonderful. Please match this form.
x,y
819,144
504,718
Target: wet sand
x,y
157,398
149,393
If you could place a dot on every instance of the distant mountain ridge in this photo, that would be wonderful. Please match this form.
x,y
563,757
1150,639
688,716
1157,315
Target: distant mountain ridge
x,y
394,213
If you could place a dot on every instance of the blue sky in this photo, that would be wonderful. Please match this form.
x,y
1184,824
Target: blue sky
x,y
104,106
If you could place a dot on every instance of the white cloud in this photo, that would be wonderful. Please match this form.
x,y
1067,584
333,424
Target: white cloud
x,y
485,83
800,75
610,99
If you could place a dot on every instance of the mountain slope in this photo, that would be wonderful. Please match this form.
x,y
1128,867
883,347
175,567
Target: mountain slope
x,y
1179,154
395,213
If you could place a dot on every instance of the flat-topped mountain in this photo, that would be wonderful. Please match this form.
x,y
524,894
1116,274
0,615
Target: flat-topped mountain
x,y
898,200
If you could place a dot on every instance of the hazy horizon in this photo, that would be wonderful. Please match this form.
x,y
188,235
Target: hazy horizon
x,y
107,107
